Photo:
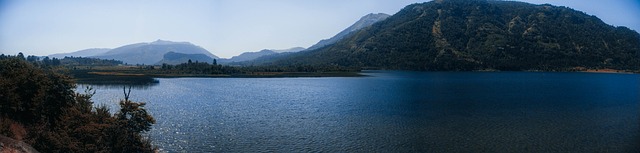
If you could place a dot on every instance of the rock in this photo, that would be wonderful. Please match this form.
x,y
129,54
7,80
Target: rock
x,y
8,145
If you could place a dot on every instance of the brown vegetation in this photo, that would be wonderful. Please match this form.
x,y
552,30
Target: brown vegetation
x,y
41,108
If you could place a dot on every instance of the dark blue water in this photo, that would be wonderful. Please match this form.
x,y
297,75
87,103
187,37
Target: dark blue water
x,y
392,111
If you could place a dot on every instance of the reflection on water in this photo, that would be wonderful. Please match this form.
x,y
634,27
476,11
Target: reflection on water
x,y
395,112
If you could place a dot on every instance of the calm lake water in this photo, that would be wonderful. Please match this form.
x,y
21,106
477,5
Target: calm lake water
x,y
394,111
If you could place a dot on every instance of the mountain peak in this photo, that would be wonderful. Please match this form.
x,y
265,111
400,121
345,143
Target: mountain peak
x,y
166,42
375,16
364,21
151,53
367,20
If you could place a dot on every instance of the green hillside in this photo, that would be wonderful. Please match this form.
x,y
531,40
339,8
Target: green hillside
x,y
448,35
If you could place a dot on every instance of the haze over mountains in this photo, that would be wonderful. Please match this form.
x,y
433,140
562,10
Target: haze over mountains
x,y
442,35
145,53
151,53
246,56
181,52
364,22
251,58
82,53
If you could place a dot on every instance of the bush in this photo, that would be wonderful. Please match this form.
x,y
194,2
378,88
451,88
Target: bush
x,y
40,107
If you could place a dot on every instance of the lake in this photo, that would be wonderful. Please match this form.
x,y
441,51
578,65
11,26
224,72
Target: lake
x,y
394,111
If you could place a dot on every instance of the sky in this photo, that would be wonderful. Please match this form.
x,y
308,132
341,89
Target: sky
x,y
224,27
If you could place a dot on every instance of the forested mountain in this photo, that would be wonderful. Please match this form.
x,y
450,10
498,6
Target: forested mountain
x,y
446,35
247,56
174,58
81,53
364,22
152,53
268,60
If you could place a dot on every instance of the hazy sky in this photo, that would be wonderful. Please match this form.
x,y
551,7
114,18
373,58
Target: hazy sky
x,y
224,27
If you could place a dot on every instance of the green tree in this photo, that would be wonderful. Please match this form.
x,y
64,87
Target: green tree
x,y
133,116
132,119
20,55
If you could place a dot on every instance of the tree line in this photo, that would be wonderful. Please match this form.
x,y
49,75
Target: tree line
x,y
66,61
206,68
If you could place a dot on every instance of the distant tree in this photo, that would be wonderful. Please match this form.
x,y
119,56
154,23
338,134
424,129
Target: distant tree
x,y
46,61
215,62
32,58
55,62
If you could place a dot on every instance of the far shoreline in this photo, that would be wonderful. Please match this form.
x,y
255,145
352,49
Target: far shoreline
x,y
608,71
98,77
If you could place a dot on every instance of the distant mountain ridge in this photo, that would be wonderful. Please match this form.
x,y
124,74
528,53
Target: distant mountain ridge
x,y
457,35
168,51
81,53
246,56
152,53
364,22
294,49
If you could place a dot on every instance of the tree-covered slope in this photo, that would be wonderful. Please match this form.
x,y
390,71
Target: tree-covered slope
x,y
479,34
